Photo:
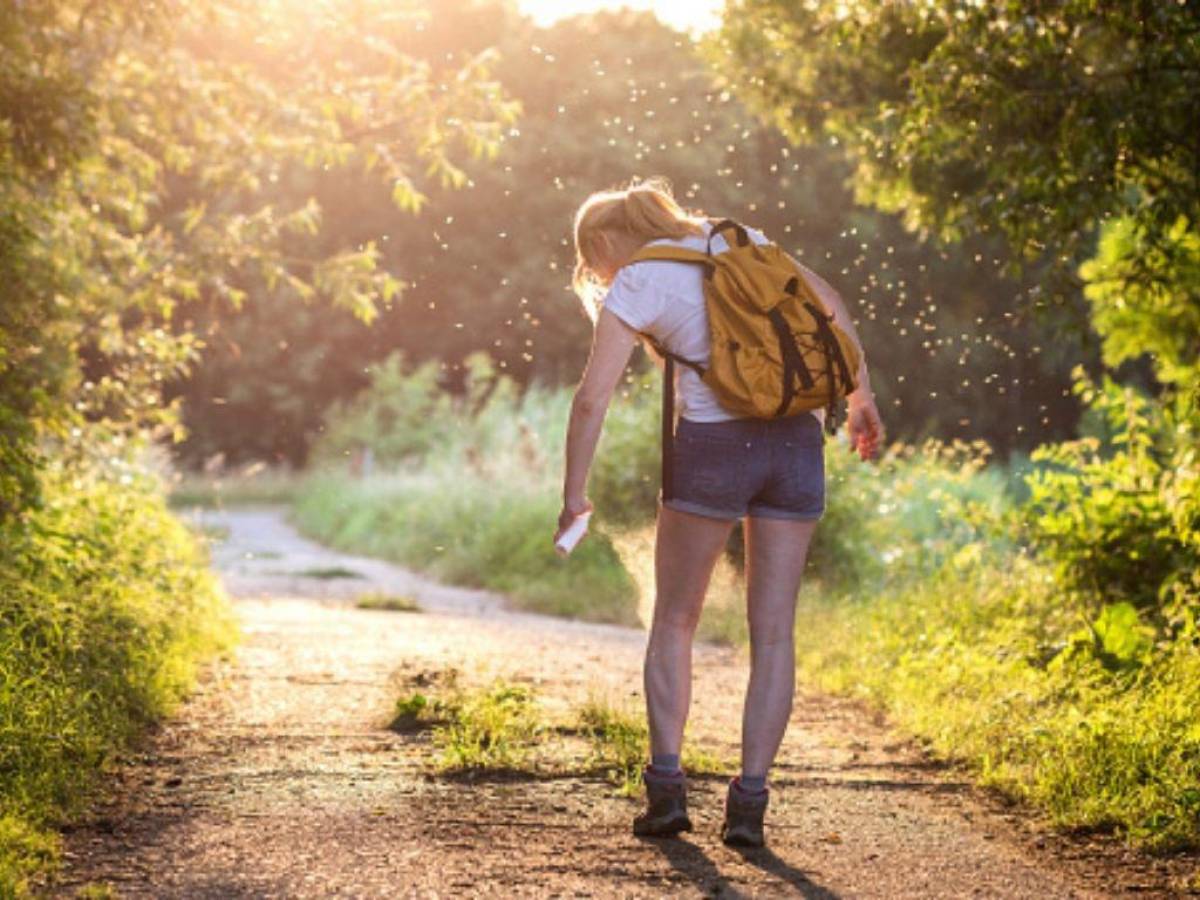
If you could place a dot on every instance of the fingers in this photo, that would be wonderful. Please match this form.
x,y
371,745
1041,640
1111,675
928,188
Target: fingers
x,y
866,433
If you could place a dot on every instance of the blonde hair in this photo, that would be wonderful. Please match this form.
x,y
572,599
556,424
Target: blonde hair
x,y
646,210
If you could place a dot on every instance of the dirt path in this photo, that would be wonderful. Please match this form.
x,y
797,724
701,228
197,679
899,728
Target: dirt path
x,y
278,778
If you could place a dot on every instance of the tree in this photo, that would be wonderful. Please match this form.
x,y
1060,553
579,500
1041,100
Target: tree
x,y
1040,121
142,146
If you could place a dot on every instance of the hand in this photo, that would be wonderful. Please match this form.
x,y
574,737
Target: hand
x,y
865,428
571,510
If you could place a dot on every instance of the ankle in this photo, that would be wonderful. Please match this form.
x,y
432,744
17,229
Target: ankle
x,y
750,784
666,764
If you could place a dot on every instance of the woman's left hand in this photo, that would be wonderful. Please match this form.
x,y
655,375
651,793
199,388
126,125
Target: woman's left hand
x,y
865,428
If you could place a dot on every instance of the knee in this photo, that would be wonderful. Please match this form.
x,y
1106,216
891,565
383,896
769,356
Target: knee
x,y
674,625
771,637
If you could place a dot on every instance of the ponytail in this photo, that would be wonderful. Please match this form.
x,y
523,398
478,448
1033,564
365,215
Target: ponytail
x,y
646,210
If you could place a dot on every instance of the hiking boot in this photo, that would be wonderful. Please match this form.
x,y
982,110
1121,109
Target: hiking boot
x,y
666,805
743,825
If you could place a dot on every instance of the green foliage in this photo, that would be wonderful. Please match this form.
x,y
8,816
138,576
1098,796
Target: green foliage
x,y
1062,676
160,155
403,413
489,729
389,602
1117,638
620,742
1118,514
416,712
106,608
896,521
1043,123
479,528
985,662
625,477
24,851
1038,120
1145,293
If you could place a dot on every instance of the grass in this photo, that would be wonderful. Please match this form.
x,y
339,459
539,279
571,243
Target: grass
x,y
254,485
471,493
26,850
619,741
499,727
493,728
108,608
479,527
328,573
621,746
978,661
387,602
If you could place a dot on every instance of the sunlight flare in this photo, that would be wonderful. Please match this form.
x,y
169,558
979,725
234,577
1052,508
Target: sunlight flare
x,y
695,16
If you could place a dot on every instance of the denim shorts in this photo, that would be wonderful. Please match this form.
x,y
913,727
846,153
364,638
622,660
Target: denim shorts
x,y
764,468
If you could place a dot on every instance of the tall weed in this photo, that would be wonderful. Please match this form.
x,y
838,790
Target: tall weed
x,y
106,608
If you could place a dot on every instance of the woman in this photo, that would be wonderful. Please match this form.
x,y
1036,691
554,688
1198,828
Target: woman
x,y
769,472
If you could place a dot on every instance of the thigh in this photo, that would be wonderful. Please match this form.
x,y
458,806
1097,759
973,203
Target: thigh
x,y
686,548
714,463
794,487
776,552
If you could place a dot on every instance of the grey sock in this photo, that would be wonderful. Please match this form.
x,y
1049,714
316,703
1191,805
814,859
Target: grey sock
x,y
666,763
753,784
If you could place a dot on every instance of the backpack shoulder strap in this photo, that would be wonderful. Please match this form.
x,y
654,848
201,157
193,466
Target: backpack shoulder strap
x,y
670,253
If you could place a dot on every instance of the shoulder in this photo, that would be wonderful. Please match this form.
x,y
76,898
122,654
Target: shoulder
x,y
631,279
627,294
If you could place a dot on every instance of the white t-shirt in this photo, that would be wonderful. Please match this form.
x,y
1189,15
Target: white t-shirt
x,y
665,299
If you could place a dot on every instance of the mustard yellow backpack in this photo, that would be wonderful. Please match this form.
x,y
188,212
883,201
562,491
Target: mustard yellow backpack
x,y
775,348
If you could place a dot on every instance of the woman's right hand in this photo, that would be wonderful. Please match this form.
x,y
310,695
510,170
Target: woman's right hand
x,y
572,510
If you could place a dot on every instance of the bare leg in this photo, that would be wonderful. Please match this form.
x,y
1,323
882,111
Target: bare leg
x,y
776,550
686,549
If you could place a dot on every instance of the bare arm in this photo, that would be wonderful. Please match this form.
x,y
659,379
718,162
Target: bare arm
x,y
833,301
864,425
612,344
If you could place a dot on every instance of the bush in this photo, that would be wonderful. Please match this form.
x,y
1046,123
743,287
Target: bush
x,y
1117,513
106,607
982,661
889,523
403,413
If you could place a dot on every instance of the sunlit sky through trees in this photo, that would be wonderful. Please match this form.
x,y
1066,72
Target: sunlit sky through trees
x,y
686,15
